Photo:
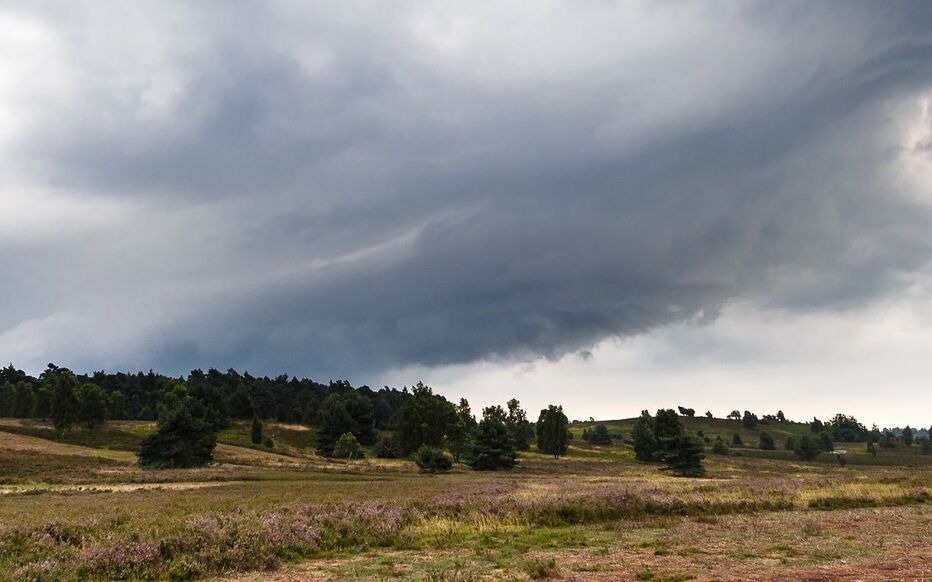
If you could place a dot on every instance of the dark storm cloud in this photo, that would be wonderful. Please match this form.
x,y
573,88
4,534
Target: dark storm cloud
x,y
335,191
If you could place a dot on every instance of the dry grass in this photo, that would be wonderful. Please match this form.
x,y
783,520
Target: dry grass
x,y
72,511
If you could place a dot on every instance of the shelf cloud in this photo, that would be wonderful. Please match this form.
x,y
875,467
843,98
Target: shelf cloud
x,y
342,189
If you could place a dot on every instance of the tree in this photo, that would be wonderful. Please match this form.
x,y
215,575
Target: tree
x,y
600,435
871,449
808,448
256,430
387,447
432,460
780,416
93,405
465,414
7,400
690,412
25,400
43,407
847,429
343,412
736,440
491,448
766,442
518,425
925,445
423,419
887,440
457,437
668,428
685,456
720,448
347,447
749,420
645,442
65,405
734,415
553,431
708,414
183,438
907,436
816,425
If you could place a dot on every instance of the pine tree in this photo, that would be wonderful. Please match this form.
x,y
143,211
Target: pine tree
x,y
766,442
491,448
720,448
256,430
685,457
645,442
183,439
65,405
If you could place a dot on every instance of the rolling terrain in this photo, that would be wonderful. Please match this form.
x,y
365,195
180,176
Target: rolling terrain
x,y
78,506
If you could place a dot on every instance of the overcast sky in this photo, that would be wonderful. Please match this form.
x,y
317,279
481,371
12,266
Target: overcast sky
x,y
613,206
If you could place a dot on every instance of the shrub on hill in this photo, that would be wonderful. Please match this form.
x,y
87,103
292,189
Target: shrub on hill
x,y
720,448
766,442
790,443
347,447
736,440
433,460
808,448
387,447
749,420
925,445
599,435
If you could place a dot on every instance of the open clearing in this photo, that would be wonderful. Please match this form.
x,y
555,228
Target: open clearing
x,y
70,511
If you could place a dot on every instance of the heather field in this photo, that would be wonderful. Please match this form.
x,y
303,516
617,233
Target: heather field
x,y
79,507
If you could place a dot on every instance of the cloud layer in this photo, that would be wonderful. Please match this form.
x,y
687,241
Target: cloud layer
x,y
338,190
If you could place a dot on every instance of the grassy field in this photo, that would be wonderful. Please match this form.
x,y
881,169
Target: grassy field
x,y
77,507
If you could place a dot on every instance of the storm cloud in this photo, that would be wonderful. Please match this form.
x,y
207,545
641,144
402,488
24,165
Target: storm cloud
x,y
343,189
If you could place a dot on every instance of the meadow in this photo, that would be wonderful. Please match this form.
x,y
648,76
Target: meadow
x,y
77,506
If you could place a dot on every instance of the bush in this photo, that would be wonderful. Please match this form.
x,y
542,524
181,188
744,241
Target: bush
x,y
925,446
790,443
766,442
808,448
268,442
826,440
736,440
599,435
347,447
432,460
720,448
387,447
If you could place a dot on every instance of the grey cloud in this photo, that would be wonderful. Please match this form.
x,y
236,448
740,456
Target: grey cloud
x,y
337,196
